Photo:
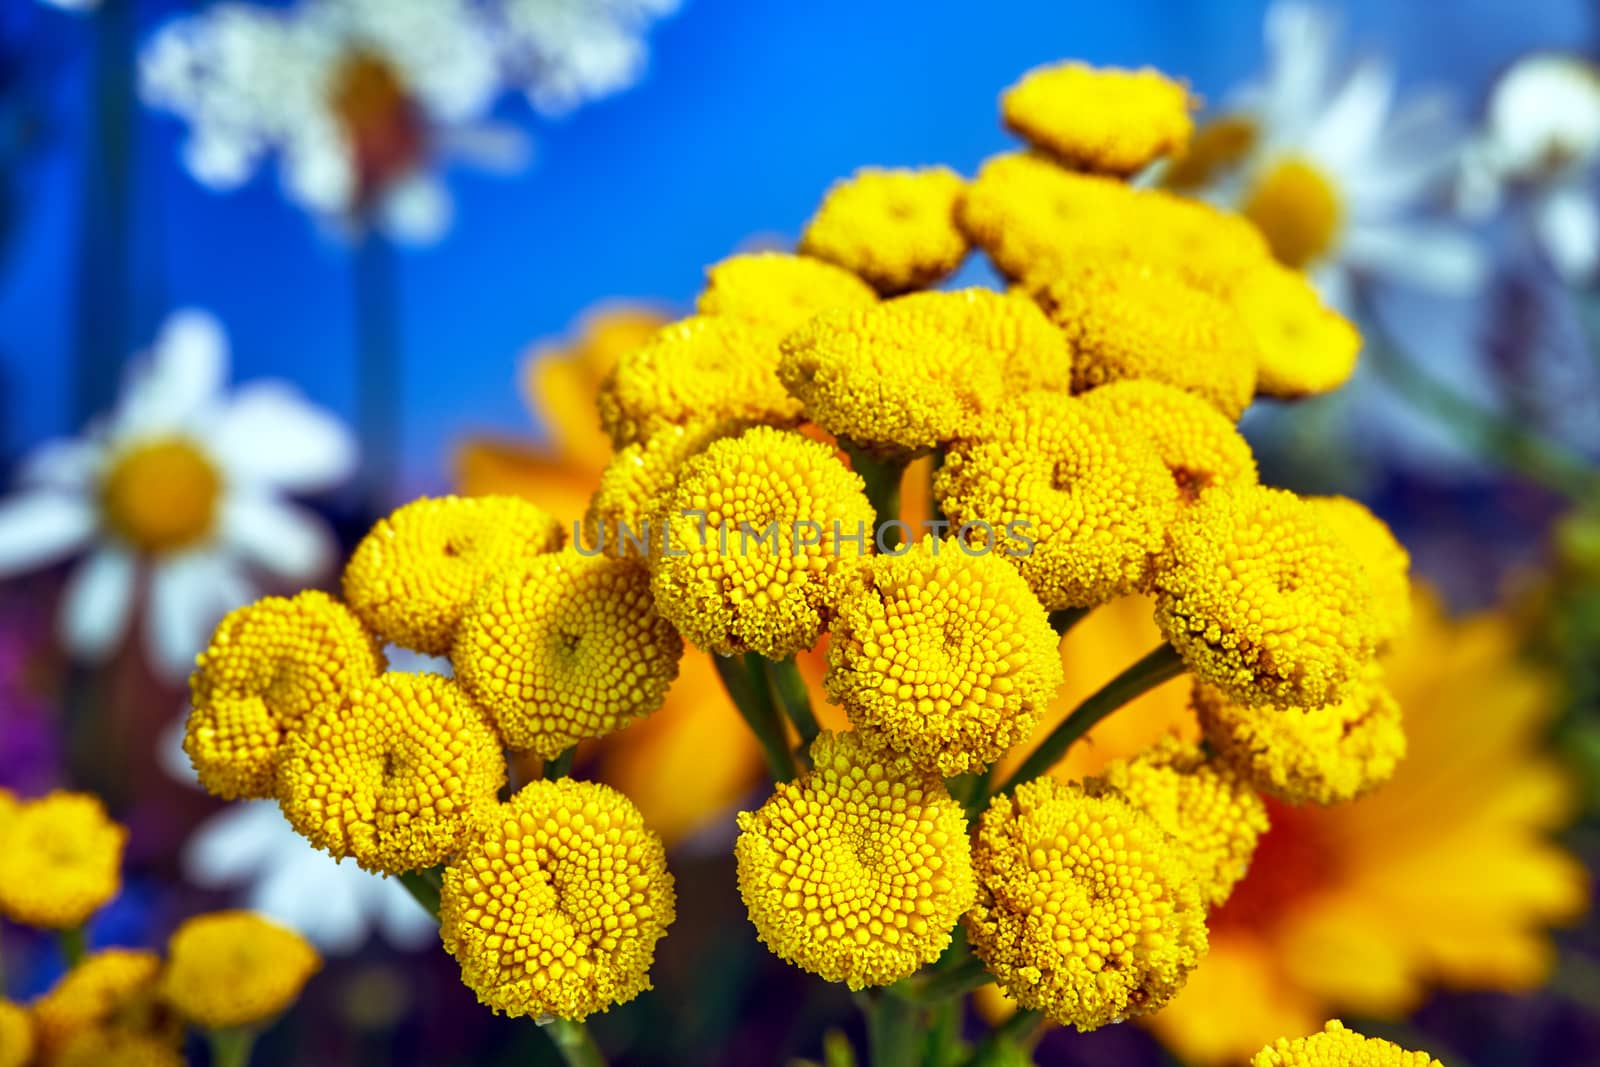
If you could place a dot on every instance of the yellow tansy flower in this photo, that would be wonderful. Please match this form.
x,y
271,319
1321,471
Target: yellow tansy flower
x,y
268,664
1337,1046
1387,563
945,657
565,648
858,870
1303,347
618,519
750,534
1215,146
1086,910
554,906
411,577
391,772
1200,446
114,987
118,1047
8,802
235,968
16,1035
1099,119
779,289
894,228
60,860
1079,505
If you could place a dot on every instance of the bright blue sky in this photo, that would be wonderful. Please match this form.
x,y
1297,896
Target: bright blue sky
x,y
748,112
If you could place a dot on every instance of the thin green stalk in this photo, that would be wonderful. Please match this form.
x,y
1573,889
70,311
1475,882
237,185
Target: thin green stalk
x,y
962,978
378,370
894,1032
882,477
790,688
231,1047
1015,1031
74,945
560,766
1065,619
425,886
572,1040
746,682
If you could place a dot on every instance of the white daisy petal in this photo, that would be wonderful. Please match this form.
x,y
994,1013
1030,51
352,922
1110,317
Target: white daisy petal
x,y
67,464
406,924
97,602
1567,220
1300,41
189,595
416,210
270,434
40,527
169,753
179,379
284,540
1436,257
232,845
1350,125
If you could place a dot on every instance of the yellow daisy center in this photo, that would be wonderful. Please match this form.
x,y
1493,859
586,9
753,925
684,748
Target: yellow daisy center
x,y
1297,207
161,495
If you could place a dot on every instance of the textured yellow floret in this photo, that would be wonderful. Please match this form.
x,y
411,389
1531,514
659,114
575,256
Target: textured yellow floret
x,y
113,987
16,1035
1337,1046
1325,755
411,577
1086,910
565,648
1302,346
1212,813
1199,445
915,372
235,968
117,1047
60,860
718,576
555,905
618,518
268,664
390,773
894,228
779,289
1387,563
704,367
1078,504
1104,120
946,658
1264,601
858,870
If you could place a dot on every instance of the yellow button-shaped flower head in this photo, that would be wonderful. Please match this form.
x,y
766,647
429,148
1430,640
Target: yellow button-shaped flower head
x,y
268,664
565,648
1264,601
1200,446
943,656
1104,120
719,367
1087,910
112,988
915,372
235,968
16,1035
1210,811
751,533
554,906
894,228
1077,503
858,870
391,772
412,576
1338,1046
60,860
779,289
119,1047
1302,346
619,520
1386,560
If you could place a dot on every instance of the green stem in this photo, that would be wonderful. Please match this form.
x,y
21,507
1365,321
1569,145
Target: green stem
x,y
231,1047
572,1040
1065,619
425,885
74,945
893,1032
791,690
1015,1031
963,978
746,682
1162,664
560,766
882,477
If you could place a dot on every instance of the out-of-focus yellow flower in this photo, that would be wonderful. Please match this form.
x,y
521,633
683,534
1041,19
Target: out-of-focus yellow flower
x,y
555,904
412,576
268,664
1200,446
1078,504
235,968
617,521
858,870
16,1035
1303,347
114,987
894,228
118,1047
60,860
1215,145
1086,909
1099,119
1374,545
391,772
1343,908
1337,1046
944,657
779,289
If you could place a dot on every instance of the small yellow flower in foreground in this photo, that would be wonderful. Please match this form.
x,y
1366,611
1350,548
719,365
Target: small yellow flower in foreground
x,y
391,772
858,870
16,1035
60,860
1104,120
411,577
564,648
946,658
751,532
894,228
1387,563
1263,601
554,906
118,1047
268,664
780,289
1200,446
1087,910
235,968
113,987
1077,503
1337,1046
1303,347
618,519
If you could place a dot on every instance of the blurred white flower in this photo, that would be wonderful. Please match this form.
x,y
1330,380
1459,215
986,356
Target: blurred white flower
x,y
176,496
72,5
564,52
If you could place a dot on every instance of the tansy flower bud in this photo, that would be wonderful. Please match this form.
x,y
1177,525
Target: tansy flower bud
x,y
268,664
389,773
1086,910
1302,347
895,228
555,904
1200,446
60,860
945,657
1338,1047
618,521
16,1035
858,870
564,648
111,988
412,576
1384,558
779,289
1104,120
1078,504
235,968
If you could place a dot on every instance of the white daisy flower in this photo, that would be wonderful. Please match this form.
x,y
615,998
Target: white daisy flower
x,y
177,496
564,52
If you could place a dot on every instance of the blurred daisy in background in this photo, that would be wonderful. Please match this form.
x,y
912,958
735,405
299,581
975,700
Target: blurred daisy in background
x,y
565,52
176,498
